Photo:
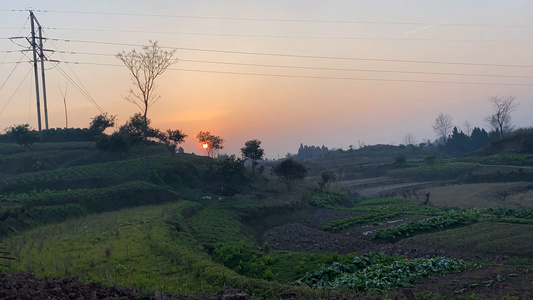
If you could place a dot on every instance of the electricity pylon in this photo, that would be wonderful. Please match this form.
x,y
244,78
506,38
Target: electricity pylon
x,y
35,69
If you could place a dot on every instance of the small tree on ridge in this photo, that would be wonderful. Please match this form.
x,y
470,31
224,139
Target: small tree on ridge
x,y
145,66
289,172
500,120
211,143
252,150
443,126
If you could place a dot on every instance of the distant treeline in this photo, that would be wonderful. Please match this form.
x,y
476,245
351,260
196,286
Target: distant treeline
x,y
54,135
309,152
459,143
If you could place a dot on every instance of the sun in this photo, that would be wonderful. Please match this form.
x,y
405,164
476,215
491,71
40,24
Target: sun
x,y
205,145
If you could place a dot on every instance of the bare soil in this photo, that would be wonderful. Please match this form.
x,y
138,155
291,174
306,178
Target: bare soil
x,y
514,195
487,282
308,236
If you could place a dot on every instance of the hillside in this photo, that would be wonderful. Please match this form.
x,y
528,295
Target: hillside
x,y
188,224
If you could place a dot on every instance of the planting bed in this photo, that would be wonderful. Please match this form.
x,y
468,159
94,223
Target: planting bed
x,y
308,236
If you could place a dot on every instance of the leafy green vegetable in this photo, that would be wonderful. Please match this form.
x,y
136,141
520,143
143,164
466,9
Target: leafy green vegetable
x,y
377,271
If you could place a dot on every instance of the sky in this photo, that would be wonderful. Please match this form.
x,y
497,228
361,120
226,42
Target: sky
x,y
334,73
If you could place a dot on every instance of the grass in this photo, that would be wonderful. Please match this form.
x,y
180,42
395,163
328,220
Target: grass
x,y
38,208
108,248
448,170
182,170
212,225
154,247
133,246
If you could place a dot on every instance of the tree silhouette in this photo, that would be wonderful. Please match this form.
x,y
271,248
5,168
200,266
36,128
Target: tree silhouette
x,y
252,150
443,126
171,139
289,172
100,123
500,120
145,66
22,134
211,143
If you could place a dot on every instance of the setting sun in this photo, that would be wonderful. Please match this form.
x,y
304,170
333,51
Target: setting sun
x,y
205,145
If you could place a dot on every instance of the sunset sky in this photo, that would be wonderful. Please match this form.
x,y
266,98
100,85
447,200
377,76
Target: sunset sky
x,y
333,73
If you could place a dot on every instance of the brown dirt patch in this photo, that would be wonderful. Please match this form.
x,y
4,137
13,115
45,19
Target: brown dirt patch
x,y
308,236
514,195
488,282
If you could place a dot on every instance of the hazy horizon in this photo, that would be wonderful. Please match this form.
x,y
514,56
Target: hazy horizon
x,y
335,73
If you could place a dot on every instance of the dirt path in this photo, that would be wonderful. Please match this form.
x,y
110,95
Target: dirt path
x,y
377,190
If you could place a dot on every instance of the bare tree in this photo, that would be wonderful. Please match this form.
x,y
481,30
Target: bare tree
x,y
145,66
409,139
500,120
443,126
467,127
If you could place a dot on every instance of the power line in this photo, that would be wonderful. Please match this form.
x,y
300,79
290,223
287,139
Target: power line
x,y
12,95
356,70
11,47
356,79
310,68
80,89
318,77
79,84
294,36
11,73
306,67
304,56
276,20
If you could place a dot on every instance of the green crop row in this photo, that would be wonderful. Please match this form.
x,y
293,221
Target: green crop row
x,y
445,220
339,225
526,213
439,218
101,174
510,158
376,271
402,206
436,172
454,217
211,225
45,207
50,197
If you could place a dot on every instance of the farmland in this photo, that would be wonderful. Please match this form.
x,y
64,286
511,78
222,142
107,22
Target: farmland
x,y
105,219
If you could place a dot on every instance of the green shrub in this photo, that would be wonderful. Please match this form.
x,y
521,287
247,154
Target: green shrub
x,y
327,199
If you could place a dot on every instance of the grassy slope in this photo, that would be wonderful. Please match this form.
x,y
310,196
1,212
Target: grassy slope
x,y
139,246
158,247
